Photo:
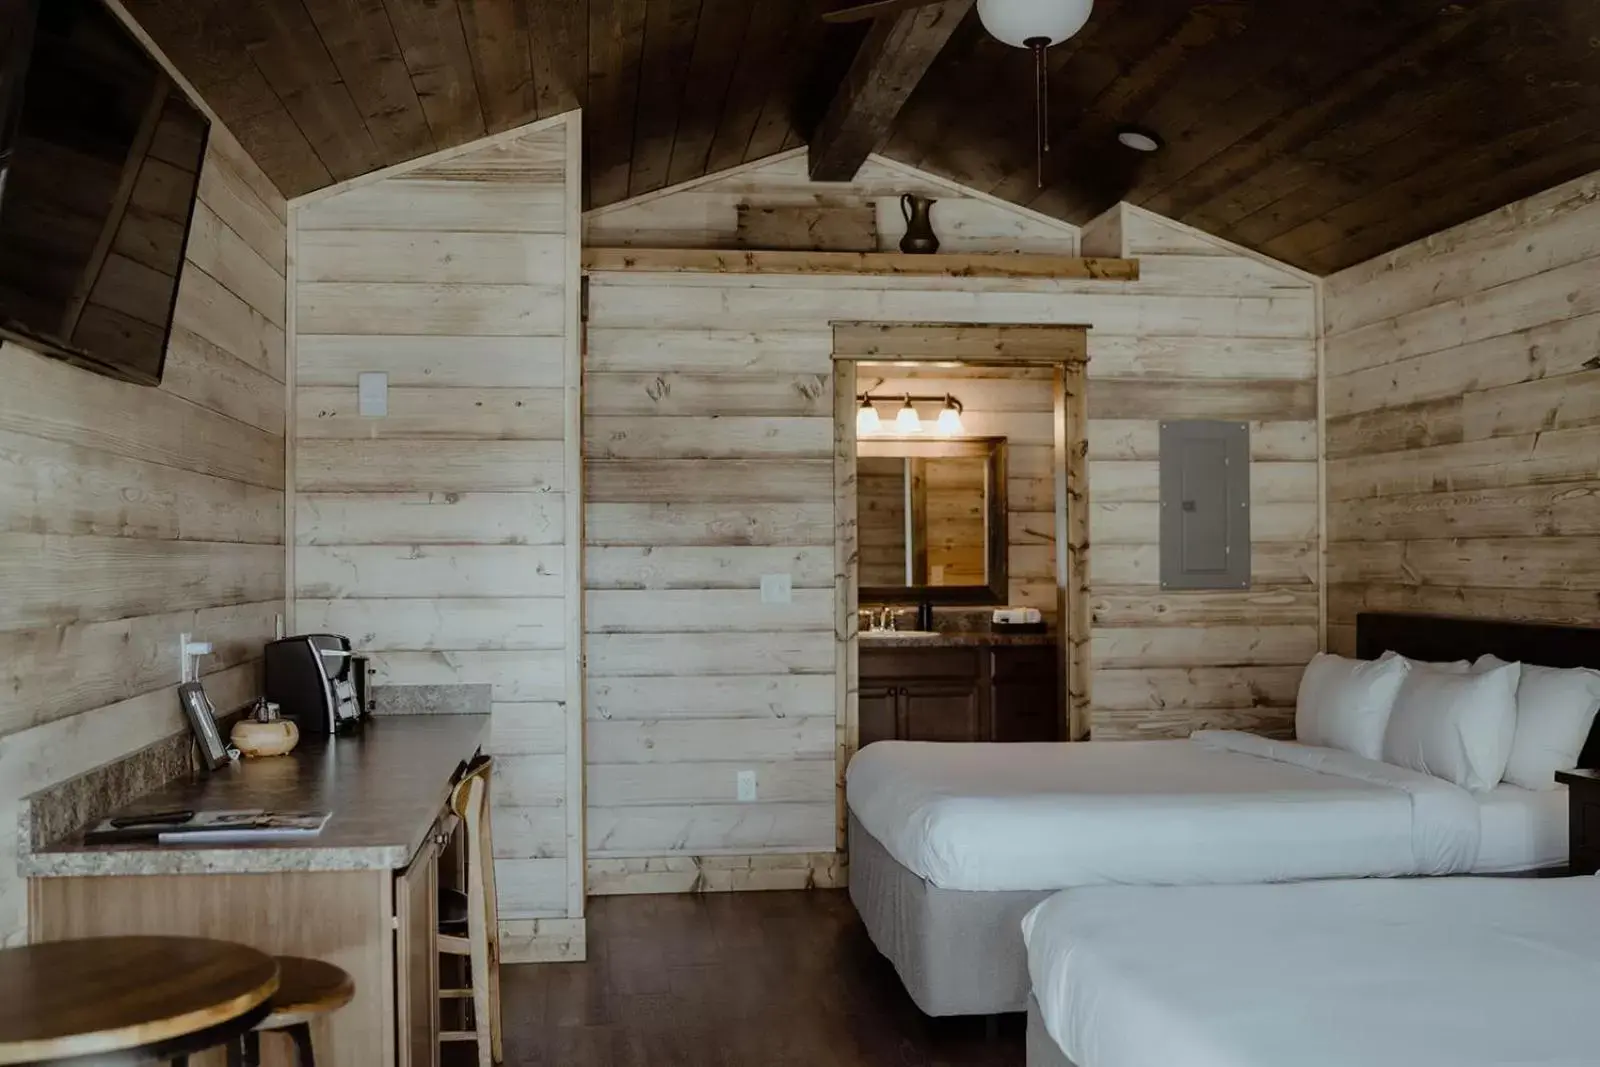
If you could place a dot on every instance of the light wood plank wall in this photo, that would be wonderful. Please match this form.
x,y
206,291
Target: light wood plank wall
x,y
442,538
1017,403
129,515
1464,420
708,439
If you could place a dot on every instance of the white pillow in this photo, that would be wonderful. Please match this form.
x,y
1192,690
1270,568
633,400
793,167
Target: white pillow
x,y
1458,727
1555,711
1345,703
1454,666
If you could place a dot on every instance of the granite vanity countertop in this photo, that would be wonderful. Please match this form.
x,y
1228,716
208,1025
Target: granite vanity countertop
x,y
385,787
956,639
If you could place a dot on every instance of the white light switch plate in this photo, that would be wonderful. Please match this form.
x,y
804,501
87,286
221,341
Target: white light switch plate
x,y
372,389
747,787
777,588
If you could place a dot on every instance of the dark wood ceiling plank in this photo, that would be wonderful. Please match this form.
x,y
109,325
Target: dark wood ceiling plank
x,y
497,39
279,147
780,112
1306,115
362,43
1546,168
896,54
1284,59
203,39
761,63
290,53
669,33
616,37
1425,105
1448,191
1508,64
434,48
558,43
724,26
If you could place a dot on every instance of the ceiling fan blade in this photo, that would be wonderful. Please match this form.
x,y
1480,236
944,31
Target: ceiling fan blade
x,y
872,9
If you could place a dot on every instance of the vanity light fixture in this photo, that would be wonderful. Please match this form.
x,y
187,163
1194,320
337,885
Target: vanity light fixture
x,y
950,418
907,421
867,421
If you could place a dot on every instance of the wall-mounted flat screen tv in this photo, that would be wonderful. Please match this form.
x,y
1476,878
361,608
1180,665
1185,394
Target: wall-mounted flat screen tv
x,y
100,155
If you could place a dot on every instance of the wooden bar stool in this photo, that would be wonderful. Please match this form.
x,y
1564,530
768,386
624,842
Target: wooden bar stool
x,y
471,927
307,989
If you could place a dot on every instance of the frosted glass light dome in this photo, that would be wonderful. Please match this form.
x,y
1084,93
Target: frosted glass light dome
x,y
1016,22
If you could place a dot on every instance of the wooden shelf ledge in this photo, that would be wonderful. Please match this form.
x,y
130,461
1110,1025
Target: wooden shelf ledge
x,y
941,265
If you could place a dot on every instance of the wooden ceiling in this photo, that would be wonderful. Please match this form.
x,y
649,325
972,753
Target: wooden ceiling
x,y
1322,134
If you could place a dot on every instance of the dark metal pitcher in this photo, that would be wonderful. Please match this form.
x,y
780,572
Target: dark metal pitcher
x,y
919,237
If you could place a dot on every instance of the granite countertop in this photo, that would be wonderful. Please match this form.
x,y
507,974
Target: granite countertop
x,y
385,787
955,639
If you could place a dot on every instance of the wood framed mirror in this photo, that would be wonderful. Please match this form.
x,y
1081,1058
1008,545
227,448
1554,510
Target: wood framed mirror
x,y
931,520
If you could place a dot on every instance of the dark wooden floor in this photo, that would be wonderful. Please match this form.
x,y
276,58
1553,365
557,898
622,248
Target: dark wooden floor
x,y
733,980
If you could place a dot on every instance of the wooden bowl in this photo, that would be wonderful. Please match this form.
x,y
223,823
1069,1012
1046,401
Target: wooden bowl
x,y
255,739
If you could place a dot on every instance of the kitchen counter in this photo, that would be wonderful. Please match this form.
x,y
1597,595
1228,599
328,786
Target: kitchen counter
x,y
385,787
955,639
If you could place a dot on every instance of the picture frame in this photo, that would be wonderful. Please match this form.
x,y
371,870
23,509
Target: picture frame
x,y
202,717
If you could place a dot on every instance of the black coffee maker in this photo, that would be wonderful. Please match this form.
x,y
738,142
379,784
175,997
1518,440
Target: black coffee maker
x,y
317,681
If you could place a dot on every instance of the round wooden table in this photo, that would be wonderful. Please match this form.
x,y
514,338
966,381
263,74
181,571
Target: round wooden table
x,y
142,998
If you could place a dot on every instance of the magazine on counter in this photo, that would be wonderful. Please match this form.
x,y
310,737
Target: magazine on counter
x,y
208,827
229,827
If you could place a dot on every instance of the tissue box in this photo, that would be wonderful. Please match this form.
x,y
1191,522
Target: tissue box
x,y
1018,620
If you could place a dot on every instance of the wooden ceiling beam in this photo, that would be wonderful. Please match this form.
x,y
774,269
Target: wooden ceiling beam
x,y
895,55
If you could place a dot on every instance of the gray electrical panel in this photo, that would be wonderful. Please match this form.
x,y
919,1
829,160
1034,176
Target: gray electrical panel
x,y
1205,505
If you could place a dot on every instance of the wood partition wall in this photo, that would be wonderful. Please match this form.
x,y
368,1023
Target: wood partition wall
x,y
445,537
1065,350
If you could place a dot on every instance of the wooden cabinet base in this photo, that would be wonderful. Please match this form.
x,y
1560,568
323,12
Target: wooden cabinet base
x,y
344,917
1000,693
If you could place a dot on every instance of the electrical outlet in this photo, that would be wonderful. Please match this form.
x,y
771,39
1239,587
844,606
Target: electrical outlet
x,y
747,786
372,395
777,588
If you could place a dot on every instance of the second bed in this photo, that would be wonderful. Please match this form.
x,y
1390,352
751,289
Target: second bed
x,y
1453,972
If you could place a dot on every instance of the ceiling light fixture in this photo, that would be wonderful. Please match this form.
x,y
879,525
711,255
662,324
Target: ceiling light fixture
x,y
867,421
1036,25
1139,139
907,421
950,418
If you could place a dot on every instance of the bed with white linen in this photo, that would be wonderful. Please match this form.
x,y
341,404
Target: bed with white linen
x,y
950,844
1451,972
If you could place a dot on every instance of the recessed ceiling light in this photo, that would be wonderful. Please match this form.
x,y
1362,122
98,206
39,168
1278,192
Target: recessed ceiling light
x,y
1139,140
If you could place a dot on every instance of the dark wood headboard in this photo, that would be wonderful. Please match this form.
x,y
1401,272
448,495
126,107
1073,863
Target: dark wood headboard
x,y
1438,637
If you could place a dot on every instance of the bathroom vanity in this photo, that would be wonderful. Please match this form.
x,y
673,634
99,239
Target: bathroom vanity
x,y
969,686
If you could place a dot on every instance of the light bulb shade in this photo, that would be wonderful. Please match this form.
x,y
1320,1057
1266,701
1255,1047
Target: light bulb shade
x,y
950,421
907,421
867,421
1016,22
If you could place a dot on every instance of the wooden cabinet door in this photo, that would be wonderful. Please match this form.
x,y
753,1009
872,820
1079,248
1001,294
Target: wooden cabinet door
x,y
1026,699
416,899
942,711
876,719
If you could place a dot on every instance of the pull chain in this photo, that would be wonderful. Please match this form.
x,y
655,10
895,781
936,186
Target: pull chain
x,y
1041,106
